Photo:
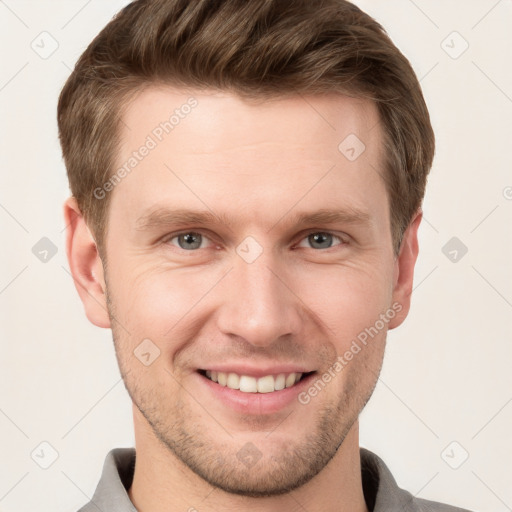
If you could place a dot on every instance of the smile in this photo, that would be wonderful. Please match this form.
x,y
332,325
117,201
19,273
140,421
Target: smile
x,y
248,384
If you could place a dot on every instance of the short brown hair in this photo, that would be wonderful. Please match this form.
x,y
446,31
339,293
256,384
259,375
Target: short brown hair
x,y
258,49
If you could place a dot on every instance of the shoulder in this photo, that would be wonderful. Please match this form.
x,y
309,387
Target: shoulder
x,y
382,493
435,506
112,490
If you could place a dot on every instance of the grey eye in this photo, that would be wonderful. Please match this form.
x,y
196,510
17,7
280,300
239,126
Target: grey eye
x,y
189,241
320,240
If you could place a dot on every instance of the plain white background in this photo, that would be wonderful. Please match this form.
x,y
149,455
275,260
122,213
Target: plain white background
x,y
445,391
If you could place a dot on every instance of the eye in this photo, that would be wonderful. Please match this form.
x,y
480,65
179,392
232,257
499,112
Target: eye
x,y
322,239
188,240
192,240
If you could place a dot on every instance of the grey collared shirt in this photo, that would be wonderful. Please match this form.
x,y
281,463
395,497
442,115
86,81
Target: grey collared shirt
x,y
381,491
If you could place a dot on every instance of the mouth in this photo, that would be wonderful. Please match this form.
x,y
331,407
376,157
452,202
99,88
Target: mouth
x,y
271,383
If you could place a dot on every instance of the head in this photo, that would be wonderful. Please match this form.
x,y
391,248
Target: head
x,y
266,117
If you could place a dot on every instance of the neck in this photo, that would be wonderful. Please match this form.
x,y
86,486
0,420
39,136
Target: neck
x,y
162,482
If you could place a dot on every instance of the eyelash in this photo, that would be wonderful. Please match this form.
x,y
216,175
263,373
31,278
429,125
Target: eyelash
x,y
172,236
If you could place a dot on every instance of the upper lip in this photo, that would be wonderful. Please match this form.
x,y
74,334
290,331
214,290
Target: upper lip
x,y
256,371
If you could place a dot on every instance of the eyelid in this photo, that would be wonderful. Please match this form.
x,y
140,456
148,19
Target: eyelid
x,y
167,238
342,237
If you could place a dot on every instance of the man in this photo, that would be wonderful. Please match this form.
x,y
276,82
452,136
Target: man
x,y
247,181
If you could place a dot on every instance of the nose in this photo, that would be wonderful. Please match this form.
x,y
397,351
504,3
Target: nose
x,y
258,303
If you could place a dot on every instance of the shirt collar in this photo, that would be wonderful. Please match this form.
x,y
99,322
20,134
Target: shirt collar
x,y
116,478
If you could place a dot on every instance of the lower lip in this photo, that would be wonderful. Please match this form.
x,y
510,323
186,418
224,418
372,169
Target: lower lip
x,y
256,403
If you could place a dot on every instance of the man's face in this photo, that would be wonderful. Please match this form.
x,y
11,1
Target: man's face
x,y
256,293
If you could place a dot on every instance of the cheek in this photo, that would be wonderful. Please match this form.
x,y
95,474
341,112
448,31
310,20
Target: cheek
x,y
347,299
153,300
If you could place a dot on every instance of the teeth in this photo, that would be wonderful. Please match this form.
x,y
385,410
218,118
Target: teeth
x,y
290,380
266,384
248,384
222,378
233,381
280,382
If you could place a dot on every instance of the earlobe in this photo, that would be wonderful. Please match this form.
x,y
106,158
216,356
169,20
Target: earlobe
x,y
404,271
85,265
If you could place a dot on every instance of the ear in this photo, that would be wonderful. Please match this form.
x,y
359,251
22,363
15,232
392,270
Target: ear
x,y
85,265
404,270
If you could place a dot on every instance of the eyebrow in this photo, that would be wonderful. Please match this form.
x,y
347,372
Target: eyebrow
x,y
164,216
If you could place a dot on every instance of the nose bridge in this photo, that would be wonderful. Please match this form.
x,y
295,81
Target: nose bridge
x,y
257,304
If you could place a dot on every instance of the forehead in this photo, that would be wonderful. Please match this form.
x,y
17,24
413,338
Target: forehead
x,y
160,111
207,147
